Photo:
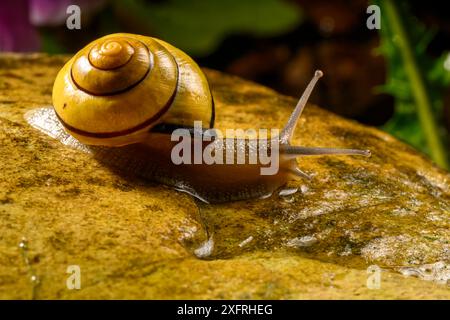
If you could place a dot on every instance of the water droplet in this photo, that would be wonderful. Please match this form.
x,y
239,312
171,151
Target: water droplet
x,y
34,279
287,194
265,196
246,241
304,188
305,241
206,249
23,244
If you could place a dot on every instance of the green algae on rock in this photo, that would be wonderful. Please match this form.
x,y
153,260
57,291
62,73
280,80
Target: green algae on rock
x,y
137,239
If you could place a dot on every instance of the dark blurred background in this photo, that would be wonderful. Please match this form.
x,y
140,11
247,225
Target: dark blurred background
x,y
278,43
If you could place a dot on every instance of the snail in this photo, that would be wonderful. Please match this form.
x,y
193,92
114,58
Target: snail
x,y
122,97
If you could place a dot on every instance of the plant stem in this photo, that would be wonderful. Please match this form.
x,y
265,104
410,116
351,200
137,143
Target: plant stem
x,y
421,97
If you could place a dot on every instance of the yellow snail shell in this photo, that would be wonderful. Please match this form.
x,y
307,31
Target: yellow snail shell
x,y
118,87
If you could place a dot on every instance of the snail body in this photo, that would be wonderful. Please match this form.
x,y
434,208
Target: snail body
x,y
123,96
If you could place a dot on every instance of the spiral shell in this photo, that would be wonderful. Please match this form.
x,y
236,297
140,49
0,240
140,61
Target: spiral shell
x,y
119,87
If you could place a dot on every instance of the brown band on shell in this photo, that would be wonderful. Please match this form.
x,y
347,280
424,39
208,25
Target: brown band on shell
x,y
106,135
97,52
168,128
95,67
213,112
110,93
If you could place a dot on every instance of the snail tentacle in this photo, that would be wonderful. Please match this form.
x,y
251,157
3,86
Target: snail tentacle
x,y
288,151
289,128
299,173
296,151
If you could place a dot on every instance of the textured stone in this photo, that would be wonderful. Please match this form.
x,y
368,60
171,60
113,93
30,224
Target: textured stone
x,y
137,239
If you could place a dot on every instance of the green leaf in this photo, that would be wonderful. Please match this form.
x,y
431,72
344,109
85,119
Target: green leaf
x,y
415,80
199,26
50,44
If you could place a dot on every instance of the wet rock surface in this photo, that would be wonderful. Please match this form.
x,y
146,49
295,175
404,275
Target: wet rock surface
x,y
137,239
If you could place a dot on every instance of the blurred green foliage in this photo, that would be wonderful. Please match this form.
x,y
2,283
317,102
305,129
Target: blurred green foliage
x,y
407,122
50,44
199,26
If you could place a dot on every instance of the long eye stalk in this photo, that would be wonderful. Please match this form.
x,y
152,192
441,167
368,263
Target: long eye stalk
x,y
288,131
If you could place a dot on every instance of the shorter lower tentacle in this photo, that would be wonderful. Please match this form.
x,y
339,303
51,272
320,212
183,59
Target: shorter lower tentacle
x,y
311,151
299,173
